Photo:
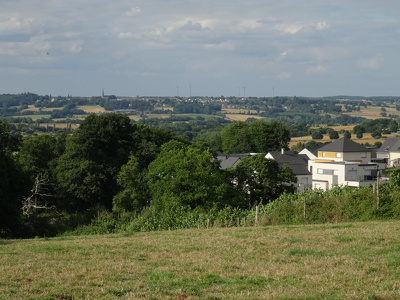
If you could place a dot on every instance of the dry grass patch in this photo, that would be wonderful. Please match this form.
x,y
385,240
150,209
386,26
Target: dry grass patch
x,y
372,112
238,111
240,117
367,138
92,109
347,261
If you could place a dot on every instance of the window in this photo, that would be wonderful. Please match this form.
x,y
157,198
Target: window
x,y
317,186
323,154
338,155
364,155
320,171
335,172
351,175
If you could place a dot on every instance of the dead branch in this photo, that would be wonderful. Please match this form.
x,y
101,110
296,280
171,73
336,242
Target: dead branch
x,y
38,197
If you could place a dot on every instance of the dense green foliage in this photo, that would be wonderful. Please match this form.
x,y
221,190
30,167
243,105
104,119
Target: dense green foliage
x,y
116,175
254,180
12,185
112,167
256,137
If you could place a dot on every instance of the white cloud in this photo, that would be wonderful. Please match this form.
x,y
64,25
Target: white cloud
x,y
76,47
289,28
371,63
17,25
125,35
134,11
229,46
167,42
317,70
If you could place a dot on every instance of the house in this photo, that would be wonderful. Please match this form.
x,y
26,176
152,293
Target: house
x,y
297,162
390,152
232,160
343,163
312,153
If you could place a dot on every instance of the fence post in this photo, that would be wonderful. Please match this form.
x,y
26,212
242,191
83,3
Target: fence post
x,y
377,190
256,217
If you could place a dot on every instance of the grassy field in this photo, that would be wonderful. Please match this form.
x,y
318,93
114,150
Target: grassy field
x,y
91,109
367,138
373,112
333,261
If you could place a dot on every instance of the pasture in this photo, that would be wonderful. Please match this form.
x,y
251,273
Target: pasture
x,y
367,138
372,112
331,261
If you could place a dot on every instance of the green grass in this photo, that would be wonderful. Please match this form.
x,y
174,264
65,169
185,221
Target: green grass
x,y
346,261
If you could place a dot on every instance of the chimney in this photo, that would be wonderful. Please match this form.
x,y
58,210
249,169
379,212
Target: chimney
x,y
282,151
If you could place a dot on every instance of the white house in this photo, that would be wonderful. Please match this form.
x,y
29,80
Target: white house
x,y
390,152
343,163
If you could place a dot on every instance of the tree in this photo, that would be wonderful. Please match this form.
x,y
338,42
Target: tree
x,y
12,183
376,134
261,180
39,154
236,138
269,136
134,195
347,134
317,135
258,136
94,154
183,175
333,135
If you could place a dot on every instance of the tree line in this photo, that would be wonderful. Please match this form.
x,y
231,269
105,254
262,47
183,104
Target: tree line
x,y
52,183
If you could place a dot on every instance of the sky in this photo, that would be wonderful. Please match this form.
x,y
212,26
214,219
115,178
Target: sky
x,y
258,48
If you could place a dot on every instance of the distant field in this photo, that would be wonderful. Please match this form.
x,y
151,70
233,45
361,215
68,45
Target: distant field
x,y
238,111
332,261
367,138
35,117
91,109
59,125
241,117
373,112
43,109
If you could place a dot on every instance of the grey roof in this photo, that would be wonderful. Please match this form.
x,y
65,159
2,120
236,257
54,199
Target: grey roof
x,y
389,145
229,161
297,162
344,145
313,150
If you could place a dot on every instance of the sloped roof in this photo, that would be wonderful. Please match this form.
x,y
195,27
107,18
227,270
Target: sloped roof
x,y
297,162
389,145
344,145
228,161
310,152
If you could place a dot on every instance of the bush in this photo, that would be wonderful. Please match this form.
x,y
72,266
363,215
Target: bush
x,y
181,217
340,204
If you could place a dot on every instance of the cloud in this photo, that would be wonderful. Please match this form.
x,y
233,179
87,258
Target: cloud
x,y
163,43
293,28
371,63
316,70
133,11
229,46
125,35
